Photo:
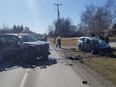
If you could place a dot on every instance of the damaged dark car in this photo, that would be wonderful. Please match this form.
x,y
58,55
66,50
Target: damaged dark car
x,y
94,46
23,46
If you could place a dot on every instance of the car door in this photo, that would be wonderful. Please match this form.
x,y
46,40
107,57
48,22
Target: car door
x,y
80,43
87,44
10,46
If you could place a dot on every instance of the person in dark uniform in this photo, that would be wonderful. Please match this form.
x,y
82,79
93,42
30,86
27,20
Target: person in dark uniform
x,y
106,39
101,37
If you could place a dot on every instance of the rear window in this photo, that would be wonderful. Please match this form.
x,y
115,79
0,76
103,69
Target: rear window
x,y
82,39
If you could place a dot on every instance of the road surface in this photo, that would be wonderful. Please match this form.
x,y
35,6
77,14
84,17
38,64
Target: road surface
x,y
55,72
112,44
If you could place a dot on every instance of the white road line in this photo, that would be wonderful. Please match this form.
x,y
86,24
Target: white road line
x,y
24,78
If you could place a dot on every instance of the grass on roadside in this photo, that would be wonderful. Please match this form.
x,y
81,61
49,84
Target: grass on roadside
x,y
66,41
73,41
106,66
112,39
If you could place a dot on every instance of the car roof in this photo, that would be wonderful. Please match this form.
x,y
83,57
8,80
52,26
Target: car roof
x,y
16,34
91,38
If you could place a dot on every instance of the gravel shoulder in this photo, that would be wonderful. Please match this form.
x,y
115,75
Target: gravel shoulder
x,y
90,75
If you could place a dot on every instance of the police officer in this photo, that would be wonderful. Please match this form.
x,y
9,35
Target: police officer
x,y
58,42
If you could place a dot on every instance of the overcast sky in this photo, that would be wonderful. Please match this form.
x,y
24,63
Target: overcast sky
x,y
38,14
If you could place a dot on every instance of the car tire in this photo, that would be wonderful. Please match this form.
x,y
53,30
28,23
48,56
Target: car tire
x,y
94,52
80,48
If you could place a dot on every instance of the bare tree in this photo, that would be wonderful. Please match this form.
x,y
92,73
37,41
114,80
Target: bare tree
x,y
64,27
51,31
97,19
88,17
114,26
110,7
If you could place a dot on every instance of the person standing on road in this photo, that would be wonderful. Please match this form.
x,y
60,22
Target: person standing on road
x,y
58,42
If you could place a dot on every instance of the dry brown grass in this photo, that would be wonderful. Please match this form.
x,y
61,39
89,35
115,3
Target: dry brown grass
x,y
73,41
66,41
105,66
69,42
112,38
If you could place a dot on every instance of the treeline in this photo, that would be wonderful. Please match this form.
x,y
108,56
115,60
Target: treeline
x,y
15,29
99,19
65,28
93,20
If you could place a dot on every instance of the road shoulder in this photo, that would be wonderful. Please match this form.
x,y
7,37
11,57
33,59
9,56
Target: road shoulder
x,y
95,79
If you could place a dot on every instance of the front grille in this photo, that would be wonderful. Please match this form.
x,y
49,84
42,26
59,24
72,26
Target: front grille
x,y
43,47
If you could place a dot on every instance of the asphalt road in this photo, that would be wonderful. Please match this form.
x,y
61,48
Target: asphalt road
x,y
54,72
112,44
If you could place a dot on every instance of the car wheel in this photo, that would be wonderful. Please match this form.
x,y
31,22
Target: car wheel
x,y
94,52
80,48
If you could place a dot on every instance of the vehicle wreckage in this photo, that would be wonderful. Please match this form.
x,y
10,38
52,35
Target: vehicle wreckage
x,y
23,46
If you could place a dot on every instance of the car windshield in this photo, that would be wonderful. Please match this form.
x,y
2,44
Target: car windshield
x,y
98,41
28,38
38,36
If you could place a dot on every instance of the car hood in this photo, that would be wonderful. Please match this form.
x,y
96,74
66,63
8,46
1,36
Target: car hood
x,y
36,43
104,46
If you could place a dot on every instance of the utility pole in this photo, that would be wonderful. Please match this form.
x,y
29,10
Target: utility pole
x,y
58,10
57,27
